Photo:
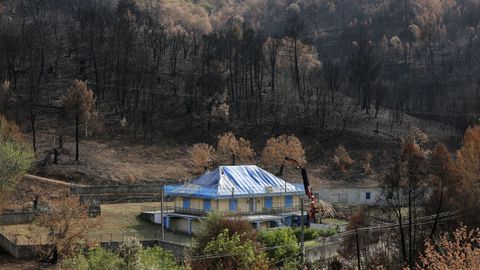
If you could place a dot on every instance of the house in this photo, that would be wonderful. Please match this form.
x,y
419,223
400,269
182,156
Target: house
x,y
260,197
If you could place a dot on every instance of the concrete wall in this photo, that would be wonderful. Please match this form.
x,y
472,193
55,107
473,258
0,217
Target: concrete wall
x,y
17,217
17,251
179,224
327,251
182,225
349,196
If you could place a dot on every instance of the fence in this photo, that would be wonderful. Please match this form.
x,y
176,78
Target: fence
x,y
263,211
240,206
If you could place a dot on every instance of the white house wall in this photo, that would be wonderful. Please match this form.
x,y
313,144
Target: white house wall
x,y
349,196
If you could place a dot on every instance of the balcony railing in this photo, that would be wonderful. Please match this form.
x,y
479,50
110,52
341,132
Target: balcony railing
x,y
262,211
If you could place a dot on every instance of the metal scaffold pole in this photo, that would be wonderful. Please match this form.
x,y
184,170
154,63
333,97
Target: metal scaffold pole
x,y
161,213
302,233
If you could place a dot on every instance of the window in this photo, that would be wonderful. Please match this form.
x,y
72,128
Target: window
x,y
233,205
367,195
207,204
268,202
288,201
186,203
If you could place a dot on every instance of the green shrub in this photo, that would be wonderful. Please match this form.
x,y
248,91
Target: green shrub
x,y
130,251
156,258
102,259
287,248
312,234
249,257
130,256
78,262
16,156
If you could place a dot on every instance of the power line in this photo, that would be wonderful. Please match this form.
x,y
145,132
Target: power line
x,y
445,216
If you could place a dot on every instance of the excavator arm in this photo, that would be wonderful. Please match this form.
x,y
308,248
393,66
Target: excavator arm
x,y
313,209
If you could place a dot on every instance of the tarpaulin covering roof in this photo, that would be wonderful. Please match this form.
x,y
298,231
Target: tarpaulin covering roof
x,y
235,181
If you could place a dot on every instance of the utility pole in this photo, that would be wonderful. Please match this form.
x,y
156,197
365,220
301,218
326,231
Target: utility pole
x,y
161,213
302,235
358,248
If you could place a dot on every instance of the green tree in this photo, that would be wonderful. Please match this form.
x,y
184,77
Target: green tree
x,y
286,247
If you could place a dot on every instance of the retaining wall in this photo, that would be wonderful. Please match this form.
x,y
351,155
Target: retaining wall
x,y
130,189
119,193
322,252
17,217
17,251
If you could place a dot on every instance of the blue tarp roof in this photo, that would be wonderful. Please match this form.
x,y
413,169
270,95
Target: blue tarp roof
x,y
234,181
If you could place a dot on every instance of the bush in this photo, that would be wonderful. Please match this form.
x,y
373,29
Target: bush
x,y
341,159
215,224
312,234
287,245
249,257
78,262
16,156
157,258
101,259
366,163
130,256
130,251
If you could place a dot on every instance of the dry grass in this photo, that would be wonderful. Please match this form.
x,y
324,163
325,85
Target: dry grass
x,y
113,162
117,222
117,160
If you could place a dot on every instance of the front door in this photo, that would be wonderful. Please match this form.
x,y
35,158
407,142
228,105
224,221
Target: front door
x,y
251,205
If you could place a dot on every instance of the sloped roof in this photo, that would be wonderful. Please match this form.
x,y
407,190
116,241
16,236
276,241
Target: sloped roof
x,y
235,181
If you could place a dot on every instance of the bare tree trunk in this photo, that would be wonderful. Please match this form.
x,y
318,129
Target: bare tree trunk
x,y
77,120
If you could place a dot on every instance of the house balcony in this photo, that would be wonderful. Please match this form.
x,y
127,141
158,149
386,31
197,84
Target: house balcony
x,y
263,211
204,212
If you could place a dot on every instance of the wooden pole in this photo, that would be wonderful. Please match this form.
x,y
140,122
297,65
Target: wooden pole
x,y
358,248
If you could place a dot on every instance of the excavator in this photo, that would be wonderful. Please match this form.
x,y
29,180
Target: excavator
x,y
315,206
